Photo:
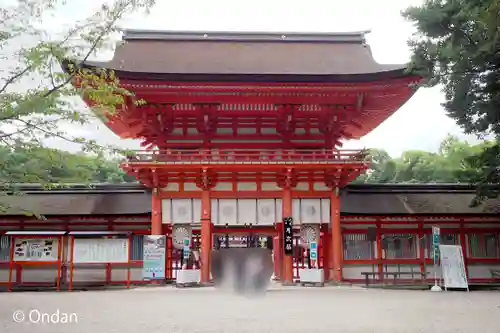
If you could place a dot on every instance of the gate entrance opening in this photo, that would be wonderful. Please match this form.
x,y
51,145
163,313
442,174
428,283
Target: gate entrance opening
x,y
242,261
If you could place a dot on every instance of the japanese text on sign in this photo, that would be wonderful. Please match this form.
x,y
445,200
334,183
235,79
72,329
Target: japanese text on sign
x,y
288,235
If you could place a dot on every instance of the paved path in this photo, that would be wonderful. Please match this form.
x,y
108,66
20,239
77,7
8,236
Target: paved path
x,y
304,310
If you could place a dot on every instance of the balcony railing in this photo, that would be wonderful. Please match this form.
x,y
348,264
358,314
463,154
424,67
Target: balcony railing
x,y
234,156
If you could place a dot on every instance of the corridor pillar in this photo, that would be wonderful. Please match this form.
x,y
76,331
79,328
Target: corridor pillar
x,y
336,244
206,229
156,218
287,271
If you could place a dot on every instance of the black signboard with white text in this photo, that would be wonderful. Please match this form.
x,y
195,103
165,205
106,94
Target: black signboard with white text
x,y
288,235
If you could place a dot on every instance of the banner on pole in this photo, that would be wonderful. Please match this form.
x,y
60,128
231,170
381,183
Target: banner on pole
x,y
436,240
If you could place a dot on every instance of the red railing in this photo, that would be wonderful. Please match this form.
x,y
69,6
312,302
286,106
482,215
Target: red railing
x,y
235,156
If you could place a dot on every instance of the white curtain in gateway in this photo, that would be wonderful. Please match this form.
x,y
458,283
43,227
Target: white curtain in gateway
x,y
166,211
325,210
228,211
182,211
196,210
247,211
214,212
266,210
279,210
310,211
295,211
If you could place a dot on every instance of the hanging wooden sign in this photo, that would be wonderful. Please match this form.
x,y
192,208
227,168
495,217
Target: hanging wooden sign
x,y
288,235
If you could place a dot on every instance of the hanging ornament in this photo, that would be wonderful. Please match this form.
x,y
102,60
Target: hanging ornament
x,y
179,233
308,234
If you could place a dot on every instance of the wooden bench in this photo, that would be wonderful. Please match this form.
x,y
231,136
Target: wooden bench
x,y
394,276
495,273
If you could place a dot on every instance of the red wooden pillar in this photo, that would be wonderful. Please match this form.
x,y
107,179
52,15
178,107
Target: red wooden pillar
x,y
287,275
463,244
277,252
336,236
326,252
380,266
421,244
206,235
156,225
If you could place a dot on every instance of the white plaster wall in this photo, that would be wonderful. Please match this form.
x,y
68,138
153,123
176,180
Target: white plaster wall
x,y
4,275
120,274
481,271
354,271
39,274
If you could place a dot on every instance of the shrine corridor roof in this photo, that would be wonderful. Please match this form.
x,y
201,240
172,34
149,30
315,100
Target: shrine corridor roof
x,y
133,199
345,56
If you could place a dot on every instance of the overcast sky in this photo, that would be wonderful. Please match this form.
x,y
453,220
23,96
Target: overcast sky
x,y
420,124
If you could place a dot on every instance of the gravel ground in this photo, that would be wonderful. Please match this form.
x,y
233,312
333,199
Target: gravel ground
x,y
282,309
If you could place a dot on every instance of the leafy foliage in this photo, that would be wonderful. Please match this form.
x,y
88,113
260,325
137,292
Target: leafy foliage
x,y
457,46
455,162
51,166
36,95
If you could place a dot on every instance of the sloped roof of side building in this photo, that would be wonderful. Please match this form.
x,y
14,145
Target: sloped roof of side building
x,y
134,199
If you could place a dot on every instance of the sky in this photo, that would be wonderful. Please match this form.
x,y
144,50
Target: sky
x,y
420,124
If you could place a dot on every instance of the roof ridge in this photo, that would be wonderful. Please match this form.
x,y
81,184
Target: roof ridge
x,y
264,36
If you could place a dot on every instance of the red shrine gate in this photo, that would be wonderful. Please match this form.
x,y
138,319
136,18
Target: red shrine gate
x,y
236,125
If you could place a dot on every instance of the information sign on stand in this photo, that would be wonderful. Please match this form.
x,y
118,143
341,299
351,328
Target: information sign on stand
x,y
453,267
288,235
154,257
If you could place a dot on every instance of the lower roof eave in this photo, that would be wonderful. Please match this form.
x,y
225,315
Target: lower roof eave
x,y
250,77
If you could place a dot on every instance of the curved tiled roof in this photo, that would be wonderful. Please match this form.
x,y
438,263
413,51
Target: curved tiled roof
x,y
245,53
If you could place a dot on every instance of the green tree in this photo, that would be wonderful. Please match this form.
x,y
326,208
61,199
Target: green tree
x,y
451,164
36,95
52,166
457,46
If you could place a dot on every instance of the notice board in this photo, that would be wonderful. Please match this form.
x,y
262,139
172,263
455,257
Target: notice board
x,y
100,250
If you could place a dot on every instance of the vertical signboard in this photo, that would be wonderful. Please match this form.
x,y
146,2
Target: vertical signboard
x,y
313,250
186,250
288,235
154,257
435,244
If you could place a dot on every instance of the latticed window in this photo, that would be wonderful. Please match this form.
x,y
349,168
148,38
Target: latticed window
x,y
400,246
137,247
446,239
5,248
484,245
358,247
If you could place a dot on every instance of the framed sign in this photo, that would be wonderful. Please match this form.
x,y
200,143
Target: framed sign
x,y
100,250
154,257
36,249
288,235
